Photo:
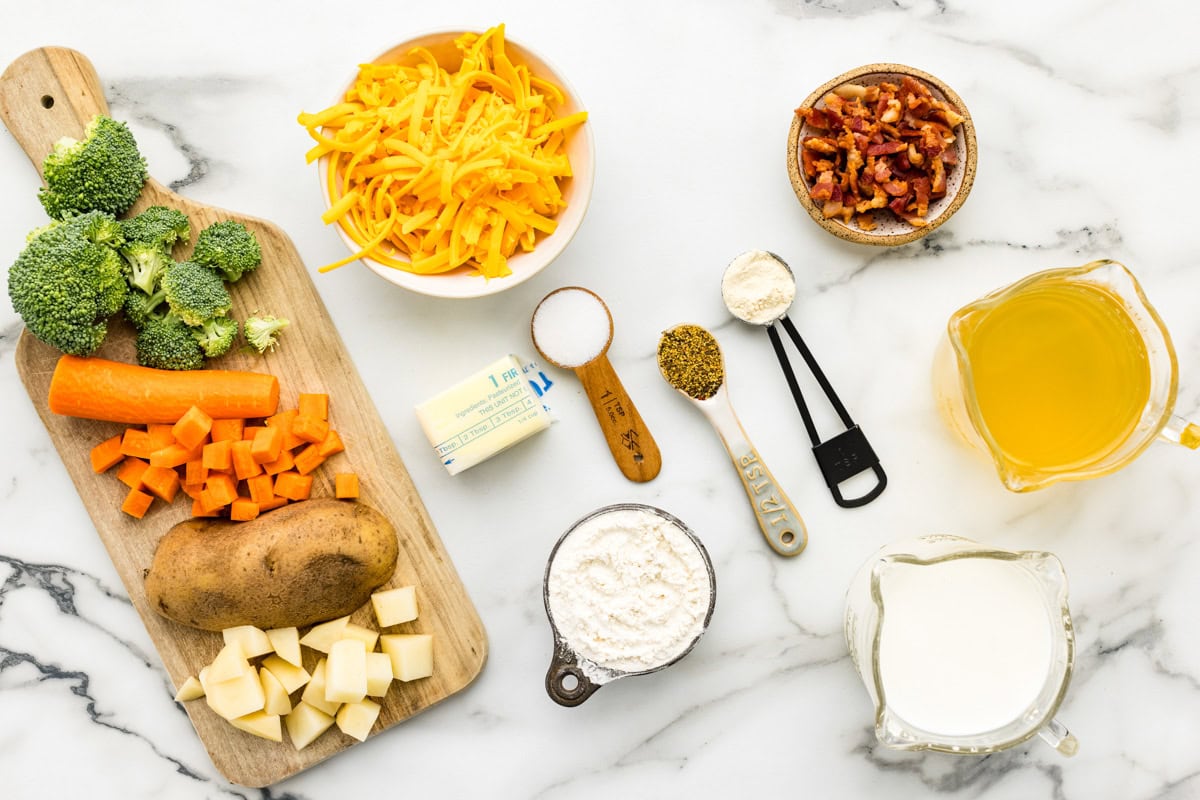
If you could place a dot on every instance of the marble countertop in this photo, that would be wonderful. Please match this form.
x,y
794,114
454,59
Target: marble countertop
x,y
1084,110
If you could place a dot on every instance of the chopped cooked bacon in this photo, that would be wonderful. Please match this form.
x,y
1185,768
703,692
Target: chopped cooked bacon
x,y
885,145
823,188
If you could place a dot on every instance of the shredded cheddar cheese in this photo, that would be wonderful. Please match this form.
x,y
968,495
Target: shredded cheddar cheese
x,y
431,170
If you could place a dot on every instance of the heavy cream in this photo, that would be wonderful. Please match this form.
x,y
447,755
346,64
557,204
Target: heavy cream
x,y
966,644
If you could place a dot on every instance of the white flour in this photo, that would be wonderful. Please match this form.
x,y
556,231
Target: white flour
x,y
628,591
758,288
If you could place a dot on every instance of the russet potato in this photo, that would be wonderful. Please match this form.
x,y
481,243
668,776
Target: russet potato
x,y
294,566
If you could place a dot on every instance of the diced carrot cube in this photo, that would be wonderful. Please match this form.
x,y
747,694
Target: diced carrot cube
x,y
218,455
161,435
195,472
332,444
161,482
310,429
175,455
261,488
131,471
282,464
222,487
137,503
107,454
198,509
227,430
250,431
345,486
293,485
243,510
314,405
192,490
244,465
210,502
274,502
309,459
192,427
283,421
135,442
267,445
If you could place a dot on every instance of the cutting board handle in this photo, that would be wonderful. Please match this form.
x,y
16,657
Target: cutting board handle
x,y
47,94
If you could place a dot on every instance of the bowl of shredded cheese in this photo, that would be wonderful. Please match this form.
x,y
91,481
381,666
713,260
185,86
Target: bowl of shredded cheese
x,y
456,164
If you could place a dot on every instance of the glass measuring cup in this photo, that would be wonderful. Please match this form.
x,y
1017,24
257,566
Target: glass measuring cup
x,y
574,677
1032,580
958,401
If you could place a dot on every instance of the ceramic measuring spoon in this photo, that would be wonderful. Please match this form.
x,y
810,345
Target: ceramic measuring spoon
x,y
758,288
690,360
572,329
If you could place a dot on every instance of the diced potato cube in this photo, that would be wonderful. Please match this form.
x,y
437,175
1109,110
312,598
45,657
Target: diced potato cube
x,y
395,605
412,654
305,724
356,719
230,663
286,642
237,697
254,641
289,675
276,697
192,690
379,674
365,635
321,637
346,672
314,691
261,724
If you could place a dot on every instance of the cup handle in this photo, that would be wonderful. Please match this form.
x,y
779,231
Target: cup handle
x,y
1181,431
566,683
1057,736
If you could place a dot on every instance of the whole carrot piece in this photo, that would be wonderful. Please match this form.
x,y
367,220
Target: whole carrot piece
x,y
112,391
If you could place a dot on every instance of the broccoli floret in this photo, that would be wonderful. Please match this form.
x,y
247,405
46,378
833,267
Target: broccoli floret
x,y
194,293
149,238
102,172
167,343
228,248
158,225
139,307
65,285
216,336
262,332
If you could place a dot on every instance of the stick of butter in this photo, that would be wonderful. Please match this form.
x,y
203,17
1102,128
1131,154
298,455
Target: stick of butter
x,y
488,412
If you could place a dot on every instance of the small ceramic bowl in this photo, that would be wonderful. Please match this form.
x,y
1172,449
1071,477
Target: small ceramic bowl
x,y
577,190
889,229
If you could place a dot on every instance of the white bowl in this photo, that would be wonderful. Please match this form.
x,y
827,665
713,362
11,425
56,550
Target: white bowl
x,y
576,190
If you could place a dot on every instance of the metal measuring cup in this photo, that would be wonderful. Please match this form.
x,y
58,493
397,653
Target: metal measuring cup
x,y
571,678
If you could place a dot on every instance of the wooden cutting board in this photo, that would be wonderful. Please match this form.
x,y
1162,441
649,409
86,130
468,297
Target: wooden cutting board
x,y
53,92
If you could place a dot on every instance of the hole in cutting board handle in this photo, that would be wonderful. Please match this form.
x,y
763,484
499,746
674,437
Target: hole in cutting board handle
x,y
47,101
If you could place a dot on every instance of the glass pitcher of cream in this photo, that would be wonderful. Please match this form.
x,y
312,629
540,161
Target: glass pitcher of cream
x,y
1065,375
963,648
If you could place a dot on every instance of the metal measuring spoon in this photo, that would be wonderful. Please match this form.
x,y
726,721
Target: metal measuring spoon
x,y
571,678
628,438
778,519
845,455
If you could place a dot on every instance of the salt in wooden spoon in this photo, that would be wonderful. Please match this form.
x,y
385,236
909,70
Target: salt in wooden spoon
x,y
572,328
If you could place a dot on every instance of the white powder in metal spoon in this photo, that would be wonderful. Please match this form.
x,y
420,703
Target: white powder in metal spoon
x,y
571,327
758,288
629,591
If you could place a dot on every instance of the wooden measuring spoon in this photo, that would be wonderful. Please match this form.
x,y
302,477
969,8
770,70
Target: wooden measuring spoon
x,y
628,438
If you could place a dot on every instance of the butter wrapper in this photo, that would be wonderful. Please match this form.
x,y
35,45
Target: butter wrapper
x,y
490,411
